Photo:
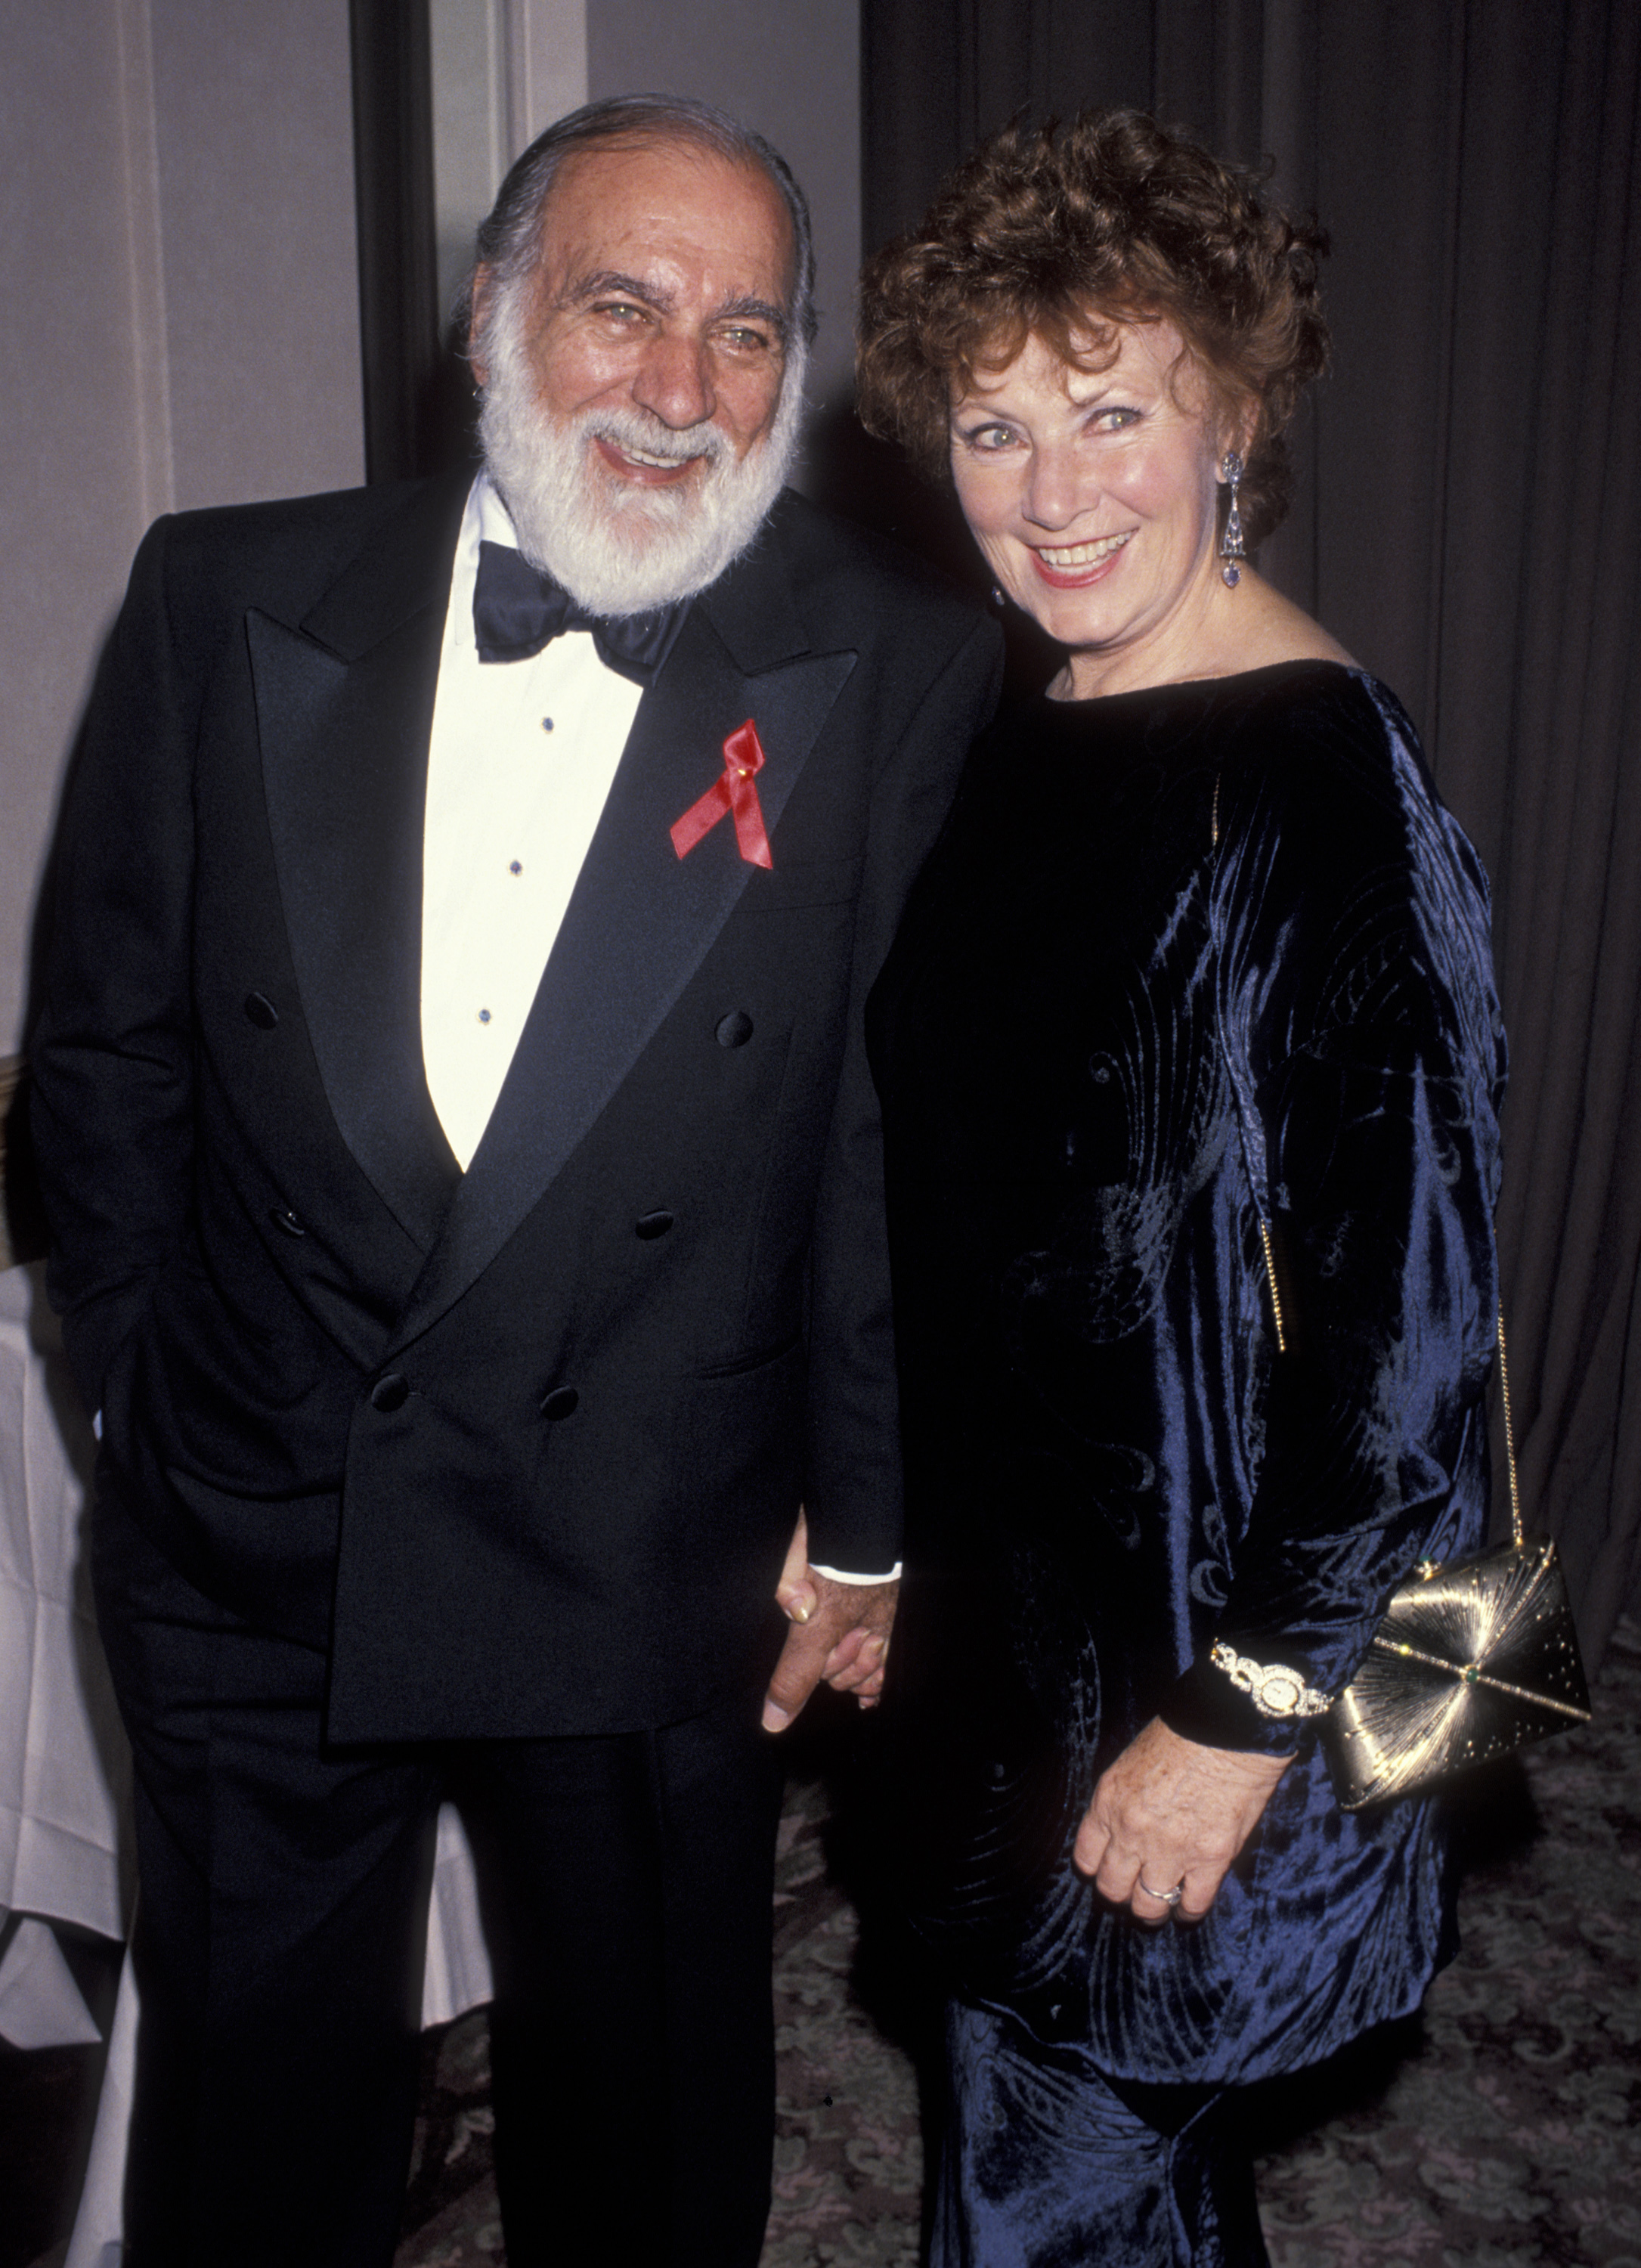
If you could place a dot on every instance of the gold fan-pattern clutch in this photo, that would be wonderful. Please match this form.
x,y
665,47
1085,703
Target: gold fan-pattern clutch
x,y
1469,1661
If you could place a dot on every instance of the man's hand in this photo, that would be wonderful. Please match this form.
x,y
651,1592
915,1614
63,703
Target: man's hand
x,y
840,1632
1171,1815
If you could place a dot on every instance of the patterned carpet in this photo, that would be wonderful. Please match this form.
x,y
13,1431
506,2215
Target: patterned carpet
x,y
1502,2129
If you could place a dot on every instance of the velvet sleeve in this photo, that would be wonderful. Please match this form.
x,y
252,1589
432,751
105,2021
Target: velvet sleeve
x,y
1360,1029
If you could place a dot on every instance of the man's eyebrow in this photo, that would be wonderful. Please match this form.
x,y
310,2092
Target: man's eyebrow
x,y
602,281
749,309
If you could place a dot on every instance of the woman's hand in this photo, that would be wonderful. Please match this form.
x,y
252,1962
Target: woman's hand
x,y
1171,1814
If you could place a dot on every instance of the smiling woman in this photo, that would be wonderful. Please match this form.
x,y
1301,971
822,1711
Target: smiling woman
x,y
1087,337
1194,997
1092,485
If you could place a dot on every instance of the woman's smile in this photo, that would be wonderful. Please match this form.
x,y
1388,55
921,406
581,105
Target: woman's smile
x,y
1071,565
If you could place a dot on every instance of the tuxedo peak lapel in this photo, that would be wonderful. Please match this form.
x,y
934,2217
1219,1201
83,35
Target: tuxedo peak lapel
x,y
752,609
344,771
638,925
403,568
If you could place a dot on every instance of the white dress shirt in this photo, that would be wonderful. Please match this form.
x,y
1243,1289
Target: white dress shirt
x,y
519,764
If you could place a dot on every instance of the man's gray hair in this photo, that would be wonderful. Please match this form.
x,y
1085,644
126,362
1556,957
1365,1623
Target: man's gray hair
x,y
510,240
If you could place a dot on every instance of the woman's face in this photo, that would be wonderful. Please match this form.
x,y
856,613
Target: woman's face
x,y
1093,497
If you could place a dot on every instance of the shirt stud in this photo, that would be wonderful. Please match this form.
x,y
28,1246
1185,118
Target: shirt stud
x,y
484,1015
514,867
547,724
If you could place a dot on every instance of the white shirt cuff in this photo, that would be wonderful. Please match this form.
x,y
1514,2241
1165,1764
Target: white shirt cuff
x,y
842,1575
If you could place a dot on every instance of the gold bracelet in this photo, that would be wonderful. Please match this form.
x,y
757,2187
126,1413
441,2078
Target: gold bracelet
x,y
1274,1688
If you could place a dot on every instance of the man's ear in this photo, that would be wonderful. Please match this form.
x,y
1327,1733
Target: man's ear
x,y
478,307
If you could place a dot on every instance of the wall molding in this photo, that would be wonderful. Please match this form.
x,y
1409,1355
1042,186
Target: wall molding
x,y
547,64
146,249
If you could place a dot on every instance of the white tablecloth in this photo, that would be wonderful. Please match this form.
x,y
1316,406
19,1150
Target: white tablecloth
x,y
64,1768
65,1846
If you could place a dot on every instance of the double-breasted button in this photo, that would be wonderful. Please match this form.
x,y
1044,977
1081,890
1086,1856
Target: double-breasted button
x,y
390,1393
651,1225
560,1402
262,1011
283,1218
735,1030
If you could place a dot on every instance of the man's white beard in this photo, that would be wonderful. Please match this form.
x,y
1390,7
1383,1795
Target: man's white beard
x,y
617,545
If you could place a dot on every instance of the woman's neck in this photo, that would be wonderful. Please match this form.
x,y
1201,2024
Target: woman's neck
x,y
1227,632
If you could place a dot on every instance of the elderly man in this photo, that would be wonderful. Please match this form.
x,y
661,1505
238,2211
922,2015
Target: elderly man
x,y
465,1182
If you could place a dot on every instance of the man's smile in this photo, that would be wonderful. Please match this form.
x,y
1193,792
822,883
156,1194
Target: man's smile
x,y
639,465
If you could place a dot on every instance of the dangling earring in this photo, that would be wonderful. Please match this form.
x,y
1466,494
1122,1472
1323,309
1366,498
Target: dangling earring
x,y
1232,547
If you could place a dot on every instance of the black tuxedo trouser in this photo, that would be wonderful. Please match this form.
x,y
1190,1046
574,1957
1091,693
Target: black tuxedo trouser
x,y
626,1884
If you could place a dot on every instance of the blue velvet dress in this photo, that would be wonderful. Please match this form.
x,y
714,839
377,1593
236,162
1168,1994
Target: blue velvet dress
x,y
1175,947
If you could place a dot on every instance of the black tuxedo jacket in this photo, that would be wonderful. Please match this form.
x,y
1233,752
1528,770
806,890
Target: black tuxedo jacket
x,y
523,1447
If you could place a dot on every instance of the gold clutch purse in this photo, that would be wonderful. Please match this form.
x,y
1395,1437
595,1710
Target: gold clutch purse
x,y
1471,1660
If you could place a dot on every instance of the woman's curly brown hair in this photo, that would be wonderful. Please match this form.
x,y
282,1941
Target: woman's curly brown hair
x,y
1060,233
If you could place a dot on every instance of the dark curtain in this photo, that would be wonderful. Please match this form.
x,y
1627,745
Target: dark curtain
x,y
1468,522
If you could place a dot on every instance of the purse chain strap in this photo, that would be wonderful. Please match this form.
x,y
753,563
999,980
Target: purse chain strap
x,y
1510,1431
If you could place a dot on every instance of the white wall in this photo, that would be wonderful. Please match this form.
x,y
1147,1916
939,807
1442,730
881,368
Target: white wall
x,y
179,264
503,70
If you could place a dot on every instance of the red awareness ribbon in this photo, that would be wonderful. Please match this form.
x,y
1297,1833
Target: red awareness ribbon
x,y
734,792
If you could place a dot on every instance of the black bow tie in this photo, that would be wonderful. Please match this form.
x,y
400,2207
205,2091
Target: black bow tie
x,y
517,611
